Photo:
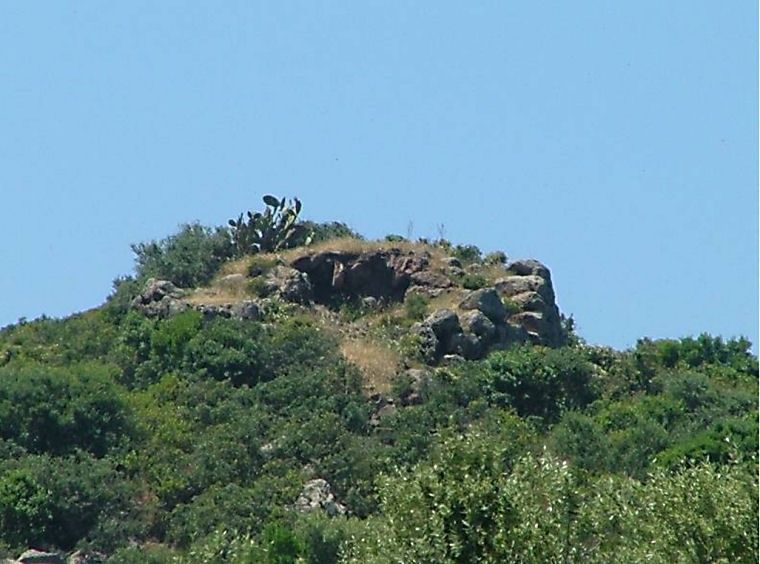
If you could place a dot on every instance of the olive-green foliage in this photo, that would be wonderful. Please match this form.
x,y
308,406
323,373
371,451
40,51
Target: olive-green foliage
x,y
57,411
468,254
82,337
472,281
58,501
416,306
328,230
188,439
473,505
495,258
189,258
540,382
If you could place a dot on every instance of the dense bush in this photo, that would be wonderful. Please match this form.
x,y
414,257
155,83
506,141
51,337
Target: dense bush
x,y
189,258
57,411
59,501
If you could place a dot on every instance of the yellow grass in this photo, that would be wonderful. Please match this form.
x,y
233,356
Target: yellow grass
x,y
377,362
348,244
216,295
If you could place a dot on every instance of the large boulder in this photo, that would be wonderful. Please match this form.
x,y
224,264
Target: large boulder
x,y
289,284
444,323
528,267
529,287
487,301
159,298
476,323
509,286
429,345
248,310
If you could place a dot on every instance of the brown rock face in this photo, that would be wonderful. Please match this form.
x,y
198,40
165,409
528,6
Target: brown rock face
x,y
382,273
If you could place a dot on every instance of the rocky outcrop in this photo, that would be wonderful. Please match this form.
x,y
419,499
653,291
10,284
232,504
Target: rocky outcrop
x,y
488,302
381,274
246,309
289,284
161,298
529,287
481,327
316,495
33,556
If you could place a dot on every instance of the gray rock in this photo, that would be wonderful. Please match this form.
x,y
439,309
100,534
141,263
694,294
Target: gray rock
x,y
444,323
418,377
449,359
428,341
475,322
468,346
431,279
511,333
290,284
529,301
452,261
33,556
383,407
370,302
316,495
248,310
527,267
159,298
82,557
425,291
532,321
513,285
381,273
486,300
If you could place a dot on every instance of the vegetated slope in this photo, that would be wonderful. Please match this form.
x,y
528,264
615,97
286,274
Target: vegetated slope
x,y
361,401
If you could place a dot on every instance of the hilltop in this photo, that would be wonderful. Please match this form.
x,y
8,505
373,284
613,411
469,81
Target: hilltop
x,y
280,390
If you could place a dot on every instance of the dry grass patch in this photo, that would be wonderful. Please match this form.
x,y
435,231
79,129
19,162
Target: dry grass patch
x,y
218,295
449,299
377,362
348,244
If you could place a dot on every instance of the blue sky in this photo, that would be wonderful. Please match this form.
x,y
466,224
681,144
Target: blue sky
x,y
614,141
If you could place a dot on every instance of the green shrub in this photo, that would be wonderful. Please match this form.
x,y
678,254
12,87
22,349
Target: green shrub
x,y
58,502
510,306
416,307
468,254
472,281
188,259
540,382
495,258
57,411
328,230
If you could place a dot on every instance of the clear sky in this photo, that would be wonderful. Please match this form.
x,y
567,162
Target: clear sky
x,y
614,141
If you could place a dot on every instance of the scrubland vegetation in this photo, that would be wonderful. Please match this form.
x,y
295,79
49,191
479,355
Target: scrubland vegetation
x,y
189,438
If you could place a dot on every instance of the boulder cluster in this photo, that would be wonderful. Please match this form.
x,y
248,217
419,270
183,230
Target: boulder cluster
x,y
517,307
161,298
481,325
317,495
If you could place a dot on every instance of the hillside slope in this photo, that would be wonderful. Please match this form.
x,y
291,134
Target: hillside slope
x,y
365,401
